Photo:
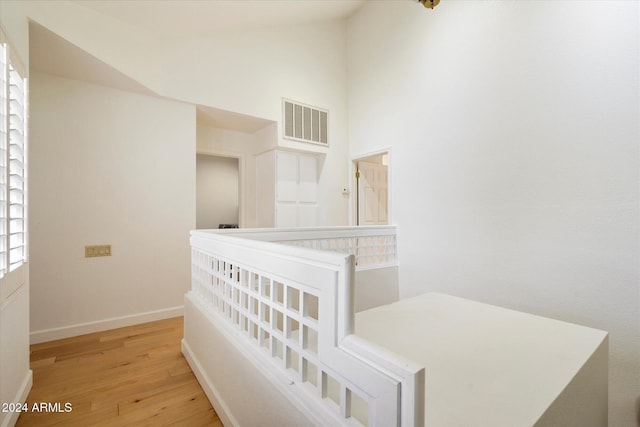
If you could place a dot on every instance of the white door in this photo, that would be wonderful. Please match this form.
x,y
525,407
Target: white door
x,y
296,190
373,193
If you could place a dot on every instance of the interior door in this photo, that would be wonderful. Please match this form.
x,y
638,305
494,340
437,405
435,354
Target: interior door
x,y
373,194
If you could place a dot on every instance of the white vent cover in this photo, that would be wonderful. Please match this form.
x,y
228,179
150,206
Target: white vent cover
x,y
305,123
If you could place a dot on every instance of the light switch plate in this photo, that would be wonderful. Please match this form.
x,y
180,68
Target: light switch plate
x,y
97,250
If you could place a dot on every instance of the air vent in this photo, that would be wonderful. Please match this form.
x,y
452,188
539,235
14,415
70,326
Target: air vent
x,y
305,123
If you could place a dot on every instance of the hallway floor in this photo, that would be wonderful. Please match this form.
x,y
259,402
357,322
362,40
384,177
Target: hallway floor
x,y
132,376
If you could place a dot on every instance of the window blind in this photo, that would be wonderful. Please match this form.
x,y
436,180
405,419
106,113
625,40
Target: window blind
x,y
13,168
4,120
16,169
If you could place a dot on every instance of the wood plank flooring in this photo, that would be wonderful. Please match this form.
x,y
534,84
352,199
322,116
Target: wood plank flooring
x,y
133,376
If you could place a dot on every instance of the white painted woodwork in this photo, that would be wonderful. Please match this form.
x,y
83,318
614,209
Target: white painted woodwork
x,y
373,194
287,184
290,311
265,189
307,214
287,213
15,375
75,330
373,246
307,179
241,393
286,177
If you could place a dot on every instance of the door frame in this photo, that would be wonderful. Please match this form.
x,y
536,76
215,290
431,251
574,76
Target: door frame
x,y
241,177
353,206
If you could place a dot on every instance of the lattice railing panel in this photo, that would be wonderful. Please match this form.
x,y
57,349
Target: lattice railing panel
x,y
281,318
373,246
369,251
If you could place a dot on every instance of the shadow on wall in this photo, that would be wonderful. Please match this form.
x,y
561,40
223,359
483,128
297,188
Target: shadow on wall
x,y
638,411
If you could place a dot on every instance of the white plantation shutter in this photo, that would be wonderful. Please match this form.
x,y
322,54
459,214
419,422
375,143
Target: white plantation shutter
x,y
17,168
4,124
13,137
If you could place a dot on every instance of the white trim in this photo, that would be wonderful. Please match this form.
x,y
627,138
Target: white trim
x,y
104,325
354,200
242,181
15,58
21,396
219,405
10,283
292,391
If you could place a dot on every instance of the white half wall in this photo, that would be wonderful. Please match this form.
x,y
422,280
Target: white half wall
x,y
15,375
236,403
374,287
514,130
108,167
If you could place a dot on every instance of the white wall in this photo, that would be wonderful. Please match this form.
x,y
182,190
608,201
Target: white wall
x,y
217,191
107,167
14,22
514,132
246,71
122,46
249,71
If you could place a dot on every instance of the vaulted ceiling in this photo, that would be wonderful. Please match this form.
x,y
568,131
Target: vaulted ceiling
x,y
199,17
54,55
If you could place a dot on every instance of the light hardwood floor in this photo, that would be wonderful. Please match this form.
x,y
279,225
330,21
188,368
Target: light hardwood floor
x,y
133,376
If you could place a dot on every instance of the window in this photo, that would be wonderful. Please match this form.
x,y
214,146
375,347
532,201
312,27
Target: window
x,y
13,137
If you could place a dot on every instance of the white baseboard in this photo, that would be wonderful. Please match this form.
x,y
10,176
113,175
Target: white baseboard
x,y
209,389
285,393
104,325
21,396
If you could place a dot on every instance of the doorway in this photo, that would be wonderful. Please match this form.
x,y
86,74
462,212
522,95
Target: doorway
x,y
372,189
217,191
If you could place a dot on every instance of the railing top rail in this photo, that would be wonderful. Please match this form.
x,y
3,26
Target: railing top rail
x,y
304,233
245,241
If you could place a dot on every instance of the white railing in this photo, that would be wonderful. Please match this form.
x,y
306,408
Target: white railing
x,y
372,246
295,307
